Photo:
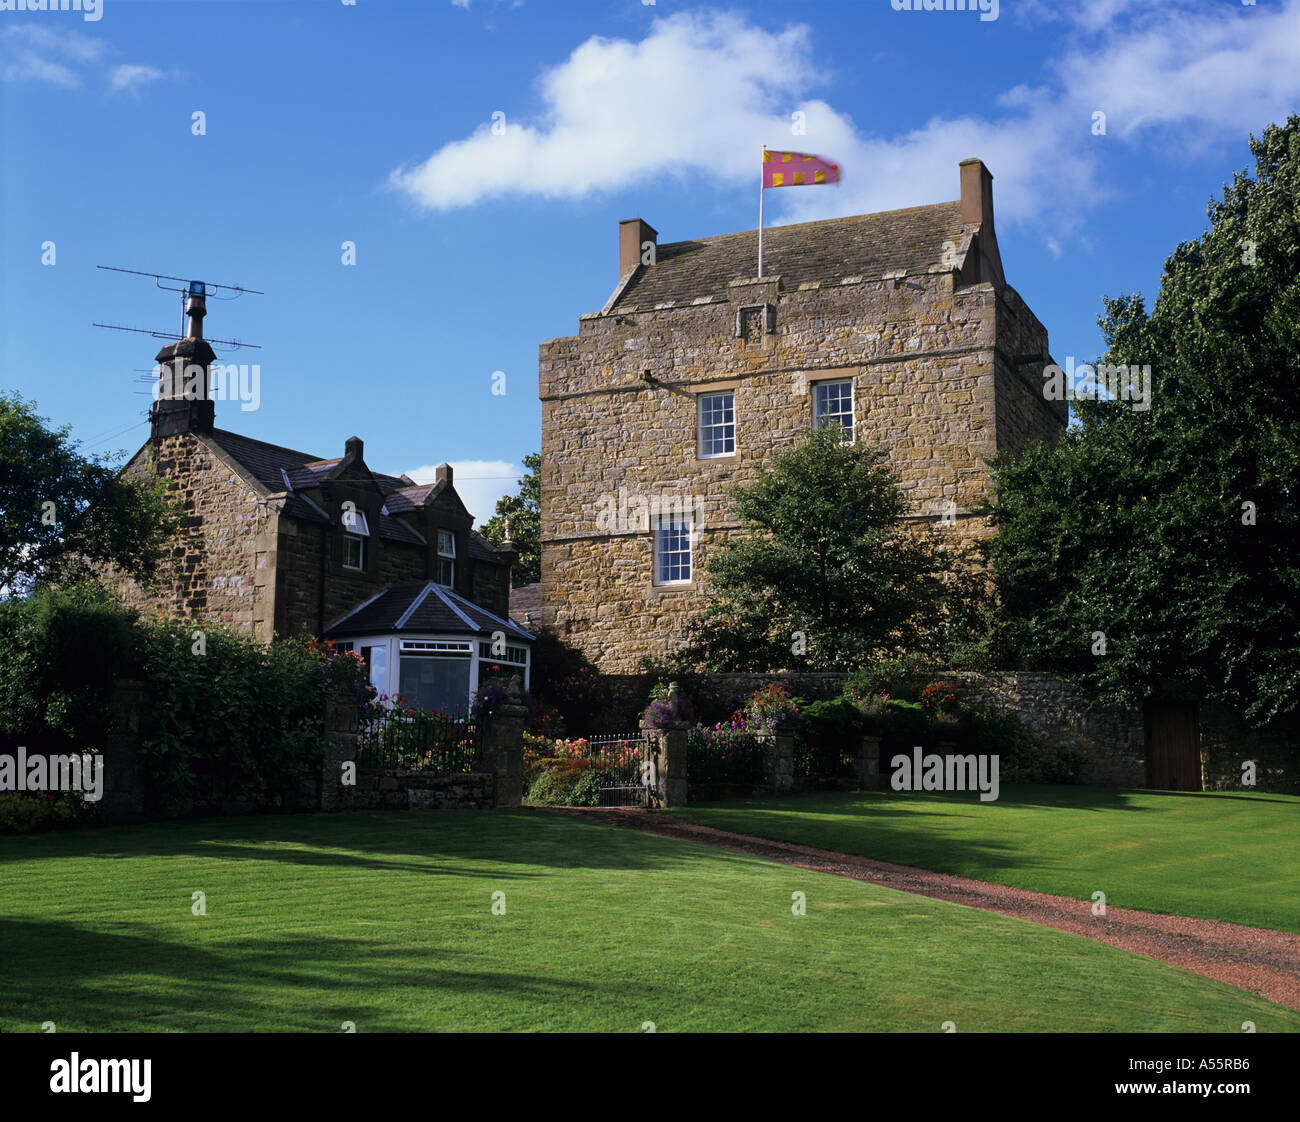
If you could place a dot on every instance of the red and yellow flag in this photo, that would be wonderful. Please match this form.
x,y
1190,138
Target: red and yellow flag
x,y
797,169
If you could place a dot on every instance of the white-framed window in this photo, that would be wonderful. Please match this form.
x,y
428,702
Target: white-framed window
x,y
717,424
435,675
354,521
672,554
516,656
354,552
375,657
355,532
445,569
833,405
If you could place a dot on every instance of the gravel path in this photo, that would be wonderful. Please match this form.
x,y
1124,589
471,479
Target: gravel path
x,y
1261,961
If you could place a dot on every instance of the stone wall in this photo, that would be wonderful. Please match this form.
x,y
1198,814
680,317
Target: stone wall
x,y
937,379
395,789
1056,713
1111,740
223,567
1227,742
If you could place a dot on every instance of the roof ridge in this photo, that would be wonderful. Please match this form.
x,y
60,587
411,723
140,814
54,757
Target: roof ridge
x,y
443,594
804,225
311,457
490,615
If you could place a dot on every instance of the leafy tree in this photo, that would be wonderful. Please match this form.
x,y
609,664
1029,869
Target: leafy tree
x,y
524,512
1152,554
826,574
64,516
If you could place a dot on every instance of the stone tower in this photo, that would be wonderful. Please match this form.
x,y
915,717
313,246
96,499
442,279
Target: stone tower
x,y
900,326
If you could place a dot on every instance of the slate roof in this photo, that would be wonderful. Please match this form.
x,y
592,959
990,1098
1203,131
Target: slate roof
x,y
418,608
284,469
525,601
866,245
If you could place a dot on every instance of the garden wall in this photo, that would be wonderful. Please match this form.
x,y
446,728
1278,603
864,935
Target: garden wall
x,y
1110,739
1056,712
395,789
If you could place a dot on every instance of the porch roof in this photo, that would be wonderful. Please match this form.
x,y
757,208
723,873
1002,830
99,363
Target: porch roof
x,y
424,607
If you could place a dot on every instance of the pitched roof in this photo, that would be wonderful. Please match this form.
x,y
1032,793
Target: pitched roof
x,y
525,601
423,607
265,461
866,245
283,469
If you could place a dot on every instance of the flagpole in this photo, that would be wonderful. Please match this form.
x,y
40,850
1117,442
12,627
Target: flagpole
x,y
761,169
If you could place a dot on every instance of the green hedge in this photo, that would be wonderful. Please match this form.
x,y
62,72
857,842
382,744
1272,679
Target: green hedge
x,y
228,722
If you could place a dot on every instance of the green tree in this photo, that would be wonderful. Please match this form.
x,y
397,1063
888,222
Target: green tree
x,y
64,516
825,573
1152,554
524,511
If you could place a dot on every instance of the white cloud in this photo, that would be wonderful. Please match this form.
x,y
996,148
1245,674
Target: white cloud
x,y
30,66
697,97
130,77
479,483
37,53
60,57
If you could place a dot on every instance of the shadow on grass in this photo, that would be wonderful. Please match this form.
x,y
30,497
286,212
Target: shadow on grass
x,y
472,843
88,979
886,802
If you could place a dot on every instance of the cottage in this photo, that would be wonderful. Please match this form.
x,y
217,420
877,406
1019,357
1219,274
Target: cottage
x,y
282,542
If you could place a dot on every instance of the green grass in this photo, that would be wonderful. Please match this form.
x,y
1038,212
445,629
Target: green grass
x,y
1217,855
385,920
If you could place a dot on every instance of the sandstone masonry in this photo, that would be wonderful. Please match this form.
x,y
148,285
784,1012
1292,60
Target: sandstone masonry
x,y
910,307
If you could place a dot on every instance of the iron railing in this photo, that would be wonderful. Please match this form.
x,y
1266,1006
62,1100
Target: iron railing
x,y
434,741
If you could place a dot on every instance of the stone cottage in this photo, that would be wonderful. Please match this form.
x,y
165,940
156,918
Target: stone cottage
x,y
282,542
900,327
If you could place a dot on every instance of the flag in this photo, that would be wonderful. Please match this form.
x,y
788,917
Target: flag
x,y
797,169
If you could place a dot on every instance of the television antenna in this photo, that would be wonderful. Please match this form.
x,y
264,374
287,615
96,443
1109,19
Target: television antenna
x,y
203,289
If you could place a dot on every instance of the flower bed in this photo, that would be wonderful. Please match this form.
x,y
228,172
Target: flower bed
x,y
561,772
723,759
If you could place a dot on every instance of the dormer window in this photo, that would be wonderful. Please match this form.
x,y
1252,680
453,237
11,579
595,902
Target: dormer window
x,y
445,569
355,532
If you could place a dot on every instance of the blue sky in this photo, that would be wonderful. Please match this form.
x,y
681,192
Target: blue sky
x,y
371,123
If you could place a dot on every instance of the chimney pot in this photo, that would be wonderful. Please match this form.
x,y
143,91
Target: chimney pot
x,y
976,193
633,233
196,307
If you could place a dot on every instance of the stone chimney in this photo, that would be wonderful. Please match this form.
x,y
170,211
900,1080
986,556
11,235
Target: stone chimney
x,y
181,400
633,234
977,210
442,474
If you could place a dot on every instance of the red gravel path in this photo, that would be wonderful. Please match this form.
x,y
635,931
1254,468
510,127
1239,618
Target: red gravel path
x,y
1252,958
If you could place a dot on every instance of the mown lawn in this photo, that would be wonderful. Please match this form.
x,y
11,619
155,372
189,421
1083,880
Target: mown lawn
x,y
1217,855
385,920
